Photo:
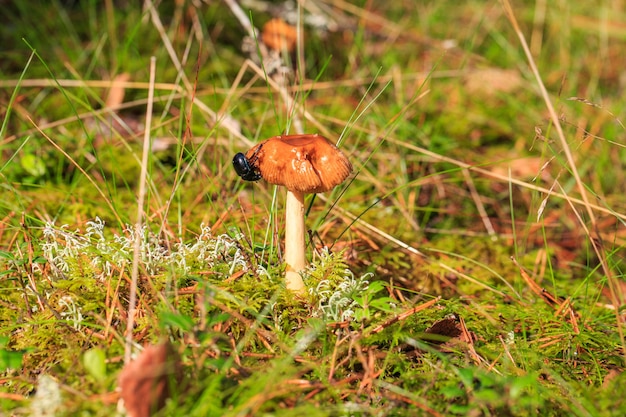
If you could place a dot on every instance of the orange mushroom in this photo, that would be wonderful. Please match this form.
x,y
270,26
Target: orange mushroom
x,y
279,35
303,164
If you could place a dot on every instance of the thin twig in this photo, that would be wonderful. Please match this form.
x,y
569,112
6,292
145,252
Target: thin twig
x,y
404,315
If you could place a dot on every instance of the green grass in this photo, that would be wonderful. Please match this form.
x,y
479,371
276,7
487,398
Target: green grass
x,y
462,270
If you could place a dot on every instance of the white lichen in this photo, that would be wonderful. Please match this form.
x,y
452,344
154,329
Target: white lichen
x,y
70,311
63,248
337,297
47,399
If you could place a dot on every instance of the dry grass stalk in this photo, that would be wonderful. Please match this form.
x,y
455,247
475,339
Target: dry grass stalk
x,y
140,213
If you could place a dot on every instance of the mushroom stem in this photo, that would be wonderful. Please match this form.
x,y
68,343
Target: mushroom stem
x,y
294,241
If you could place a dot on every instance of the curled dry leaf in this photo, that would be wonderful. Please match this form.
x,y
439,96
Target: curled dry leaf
x,y
448,330
445,329
147,382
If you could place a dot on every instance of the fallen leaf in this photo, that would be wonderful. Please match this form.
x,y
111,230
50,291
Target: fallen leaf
x,y
443,330
146,382
117,91
490,81
523,168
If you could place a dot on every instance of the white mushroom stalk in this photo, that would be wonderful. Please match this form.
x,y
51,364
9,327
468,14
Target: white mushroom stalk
x,y
295,257
303,164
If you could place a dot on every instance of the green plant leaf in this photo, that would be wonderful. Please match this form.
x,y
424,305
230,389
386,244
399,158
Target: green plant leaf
x,y
7,255
33,165
176,320
10,359
94,361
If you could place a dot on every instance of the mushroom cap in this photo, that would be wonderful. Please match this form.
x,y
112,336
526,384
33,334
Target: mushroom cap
x,y
305,163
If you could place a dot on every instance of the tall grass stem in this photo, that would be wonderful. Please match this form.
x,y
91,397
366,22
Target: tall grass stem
x,y
132,303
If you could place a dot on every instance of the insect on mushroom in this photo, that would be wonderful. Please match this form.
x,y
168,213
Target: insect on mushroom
x,y
245,167
303,164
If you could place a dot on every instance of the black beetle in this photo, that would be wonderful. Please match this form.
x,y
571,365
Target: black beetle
x,y
245,167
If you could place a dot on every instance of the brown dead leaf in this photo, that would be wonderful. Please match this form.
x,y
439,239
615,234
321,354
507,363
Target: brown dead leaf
x,y
523,168
145,383
611,376
490,81
117,91
445,329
